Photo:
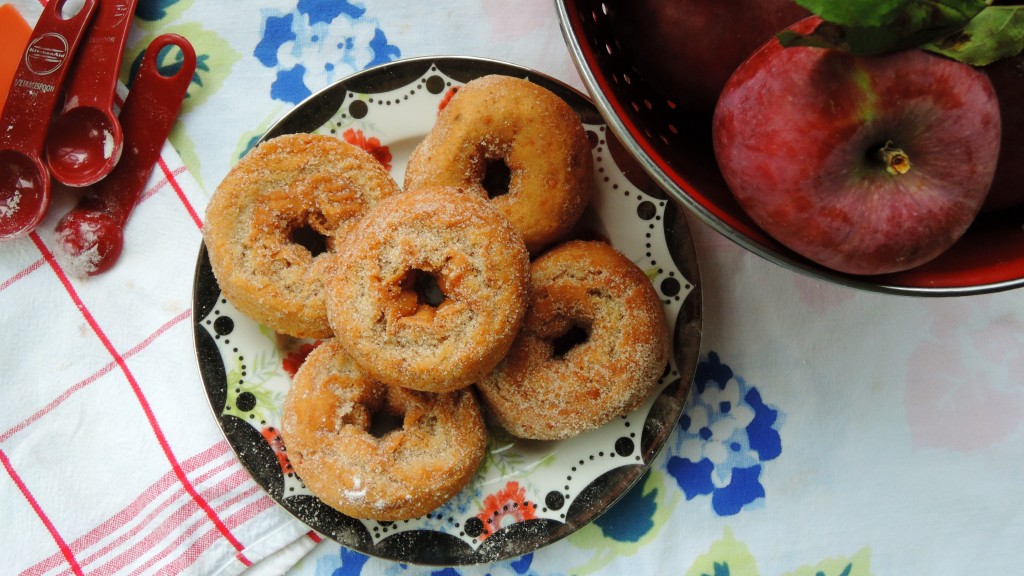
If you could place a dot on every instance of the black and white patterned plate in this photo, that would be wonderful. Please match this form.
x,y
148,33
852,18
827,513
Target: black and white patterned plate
x,y
526,494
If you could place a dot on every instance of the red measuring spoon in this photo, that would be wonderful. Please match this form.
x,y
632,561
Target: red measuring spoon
x,y
24,179
90,237
84,142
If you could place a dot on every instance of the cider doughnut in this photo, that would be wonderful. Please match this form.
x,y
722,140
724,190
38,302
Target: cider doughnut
x,y
275,217
537,135
375,451
592,347
403,334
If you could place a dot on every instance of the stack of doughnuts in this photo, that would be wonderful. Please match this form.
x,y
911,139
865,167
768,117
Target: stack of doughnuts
x,y
441,305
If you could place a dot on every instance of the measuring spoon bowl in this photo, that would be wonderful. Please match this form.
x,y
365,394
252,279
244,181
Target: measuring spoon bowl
x,y
25,184
90,237
24,178
84,145
84,142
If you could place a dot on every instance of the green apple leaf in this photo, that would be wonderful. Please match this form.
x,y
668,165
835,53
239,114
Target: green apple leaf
x,y
862,41
996,32
866,27
875,13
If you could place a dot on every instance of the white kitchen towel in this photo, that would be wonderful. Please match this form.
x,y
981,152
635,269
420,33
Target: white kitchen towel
x,y
113,462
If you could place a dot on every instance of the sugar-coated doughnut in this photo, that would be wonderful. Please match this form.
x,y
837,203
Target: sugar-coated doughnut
x,y
381,306
539,137
375,451
592,347
275,217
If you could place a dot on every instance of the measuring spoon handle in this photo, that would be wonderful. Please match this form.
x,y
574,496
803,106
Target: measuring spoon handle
x,y
147,118
92,81
40,75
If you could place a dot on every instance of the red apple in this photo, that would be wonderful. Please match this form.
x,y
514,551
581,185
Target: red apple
x,y
1007,77
686,49
865,165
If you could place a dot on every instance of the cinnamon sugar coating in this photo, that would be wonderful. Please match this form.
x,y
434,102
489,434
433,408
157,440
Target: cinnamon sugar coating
x,y
479,264
538,136
328,426
541,392
298,184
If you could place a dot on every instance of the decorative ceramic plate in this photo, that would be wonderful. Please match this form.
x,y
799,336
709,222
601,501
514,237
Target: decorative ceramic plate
x,y
526,494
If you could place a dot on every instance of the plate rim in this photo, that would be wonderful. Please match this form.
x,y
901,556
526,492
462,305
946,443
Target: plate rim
x,y
688,326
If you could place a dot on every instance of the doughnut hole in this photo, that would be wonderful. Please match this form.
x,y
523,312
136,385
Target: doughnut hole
x,y
425,285
497,177
290,234
419,296
562,317
427,298
577,334
310,239
302,237
303,227
387,419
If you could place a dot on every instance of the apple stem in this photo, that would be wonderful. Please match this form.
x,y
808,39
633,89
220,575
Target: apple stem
x,y
895,159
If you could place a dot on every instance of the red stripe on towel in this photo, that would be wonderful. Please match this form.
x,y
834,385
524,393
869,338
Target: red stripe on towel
x,y
171,177
31,268
143,402
180,525
251,511
124,517
64,549
93,377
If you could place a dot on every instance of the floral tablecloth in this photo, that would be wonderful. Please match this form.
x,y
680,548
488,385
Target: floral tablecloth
x,y
829,431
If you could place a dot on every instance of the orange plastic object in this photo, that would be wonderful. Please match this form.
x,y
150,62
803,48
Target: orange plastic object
x,y
15,32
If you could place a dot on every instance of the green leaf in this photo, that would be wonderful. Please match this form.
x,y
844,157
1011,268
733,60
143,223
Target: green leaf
x,y
857,565
865,41
875,13
867,27
997,32
725,554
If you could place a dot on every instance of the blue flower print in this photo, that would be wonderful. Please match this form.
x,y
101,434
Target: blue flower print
x,y
318,42
725,436
351,563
